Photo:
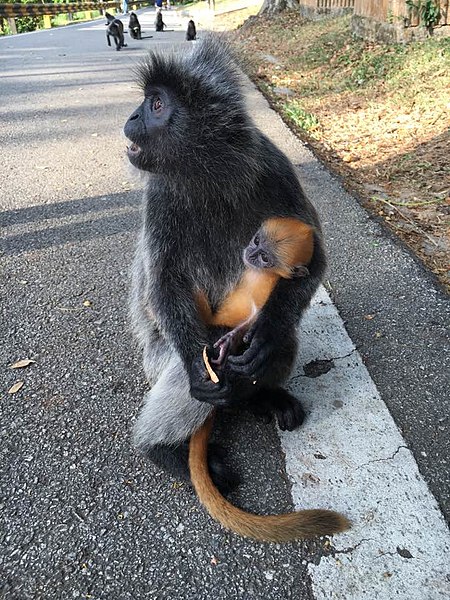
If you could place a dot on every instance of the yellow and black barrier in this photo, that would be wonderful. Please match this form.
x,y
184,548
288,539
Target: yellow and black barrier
x,y
12,11
38,10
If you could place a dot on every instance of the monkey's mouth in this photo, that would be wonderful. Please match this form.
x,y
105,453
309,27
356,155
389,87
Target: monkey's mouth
x,y
133,149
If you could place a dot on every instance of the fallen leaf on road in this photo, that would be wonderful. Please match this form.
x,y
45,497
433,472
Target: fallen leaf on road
x,y
16,387
309,478
87,303
20,364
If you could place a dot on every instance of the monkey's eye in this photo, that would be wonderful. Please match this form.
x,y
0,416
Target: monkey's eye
x,y
157,105
256,240
264,257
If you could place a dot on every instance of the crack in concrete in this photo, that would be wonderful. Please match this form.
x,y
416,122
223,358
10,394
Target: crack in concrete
x,y
403,552
346,355
327,549
333,551
383,459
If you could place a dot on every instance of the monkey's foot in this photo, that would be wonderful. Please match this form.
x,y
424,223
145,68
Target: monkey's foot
x,y
174,459
224,479
277,401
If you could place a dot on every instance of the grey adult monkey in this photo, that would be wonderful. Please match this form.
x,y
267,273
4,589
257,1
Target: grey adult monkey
x,y
159,23
114,30
214,179
134,27
191,32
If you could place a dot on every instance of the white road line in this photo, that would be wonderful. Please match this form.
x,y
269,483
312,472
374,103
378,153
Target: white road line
x,y
351,457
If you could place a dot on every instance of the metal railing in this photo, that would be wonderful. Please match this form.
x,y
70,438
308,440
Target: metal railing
x,y
13,11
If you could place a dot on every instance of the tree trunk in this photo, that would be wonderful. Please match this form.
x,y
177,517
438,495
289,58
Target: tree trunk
x,y
270,7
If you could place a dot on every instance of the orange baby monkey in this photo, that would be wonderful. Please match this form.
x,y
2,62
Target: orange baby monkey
x,y
282,247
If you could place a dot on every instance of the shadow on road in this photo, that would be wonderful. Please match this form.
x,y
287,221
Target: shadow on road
x,y
103,216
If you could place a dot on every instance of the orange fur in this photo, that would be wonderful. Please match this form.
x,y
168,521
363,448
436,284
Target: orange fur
x,y
294,240
294,243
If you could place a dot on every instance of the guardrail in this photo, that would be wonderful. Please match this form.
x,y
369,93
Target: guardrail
x,y
12,11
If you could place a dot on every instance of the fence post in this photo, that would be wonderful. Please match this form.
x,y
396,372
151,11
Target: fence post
x,y
47,22
444,12
12,25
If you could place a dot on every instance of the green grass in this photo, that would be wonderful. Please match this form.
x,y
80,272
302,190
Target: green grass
x,y
346,63
300,116
60,20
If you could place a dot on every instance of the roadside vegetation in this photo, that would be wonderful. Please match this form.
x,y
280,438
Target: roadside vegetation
x,y
25,24
378,115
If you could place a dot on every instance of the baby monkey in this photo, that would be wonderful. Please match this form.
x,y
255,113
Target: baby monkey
x,y
282,247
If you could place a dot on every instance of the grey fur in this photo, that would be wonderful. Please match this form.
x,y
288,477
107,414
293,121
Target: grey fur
x,y
170,414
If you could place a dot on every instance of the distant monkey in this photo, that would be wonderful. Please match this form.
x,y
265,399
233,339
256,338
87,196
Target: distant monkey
x,y
114,30
159,23
134,27
191,32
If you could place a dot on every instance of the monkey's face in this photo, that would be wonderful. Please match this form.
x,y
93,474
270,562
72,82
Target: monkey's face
x,y
259,254
192,122
147,129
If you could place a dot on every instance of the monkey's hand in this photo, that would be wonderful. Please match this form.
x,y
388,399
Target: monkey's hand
x,y
204,390
264,344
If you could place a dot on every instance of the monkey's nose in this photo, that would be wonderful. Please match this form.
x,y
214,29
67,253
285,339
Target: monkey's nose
x,y
133,149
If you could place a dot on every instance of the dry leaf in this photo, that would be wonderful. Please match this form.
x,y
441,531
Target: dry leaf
x,y
369,317
211,373
309,478
16,387
22,363
87,303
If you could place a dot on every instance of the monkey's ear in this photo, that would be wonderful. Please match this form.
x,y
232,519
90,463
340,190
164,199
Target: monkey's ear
x,y
300,271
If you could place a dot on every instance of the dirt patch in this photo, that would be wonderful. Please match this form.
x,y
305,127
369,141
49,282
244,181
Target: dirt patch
x,y
378,115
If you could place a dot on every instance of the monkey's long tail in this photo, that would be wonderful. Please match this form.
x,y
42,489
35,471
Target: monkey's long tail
x,y
266,528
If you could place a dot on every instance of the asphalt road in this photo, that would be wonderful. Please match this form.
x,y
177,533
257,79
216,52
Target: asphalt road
x,y
82,516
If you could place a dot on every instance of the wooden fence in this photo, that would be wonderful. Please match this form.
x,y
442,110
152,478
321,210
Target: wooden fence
x,y
324,4
397,10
